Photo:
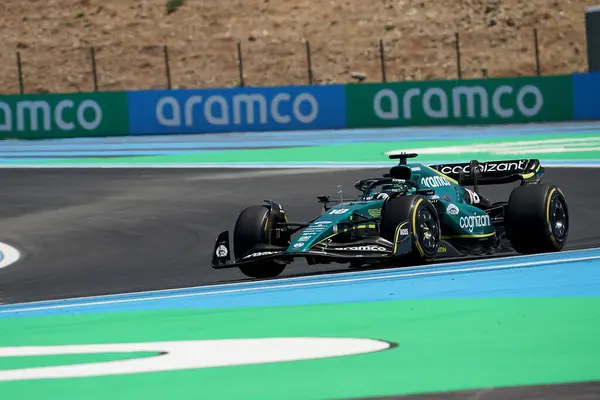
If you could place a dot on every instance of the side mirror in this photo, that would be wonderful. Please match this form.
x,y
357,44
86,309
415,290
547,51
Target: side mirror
x,y
323,200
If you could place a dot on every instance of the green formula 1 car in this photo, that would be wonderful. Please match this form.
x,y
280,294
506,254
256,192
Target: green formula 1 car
x,y
413,215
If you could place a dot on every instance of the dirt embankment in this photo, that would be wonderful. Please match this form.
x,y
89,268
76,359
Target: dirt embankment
x,y
54,39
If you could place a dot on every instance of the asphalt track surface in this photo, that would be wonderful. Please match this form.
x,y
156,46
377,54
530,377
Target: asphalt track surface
x,y
104,231
566,391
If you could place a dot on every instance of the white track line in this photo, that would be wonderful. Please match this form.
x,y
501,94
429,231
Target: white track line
x,y
10,255
307,284
263,282
279,281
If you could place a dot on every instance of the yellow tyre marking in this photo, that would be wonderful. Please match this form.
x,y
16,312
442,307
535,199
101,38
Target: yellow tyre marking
x,y
548,205
552,238
414,220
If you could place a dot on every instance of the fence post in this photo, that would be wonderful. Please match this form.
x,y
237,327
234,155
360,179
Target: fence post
x,y
592,35
94,71
240,63
20,72
309,63
382,60
458,66
167,67
537,52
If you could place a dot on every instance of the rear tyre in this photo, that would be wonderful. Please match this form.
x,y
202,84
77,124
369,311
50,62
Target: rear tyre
x,y
537,219
417,214
251,230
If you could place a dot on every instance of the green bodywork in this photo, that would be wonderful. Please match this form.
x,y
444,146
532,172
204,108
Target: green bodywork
x,y
459,220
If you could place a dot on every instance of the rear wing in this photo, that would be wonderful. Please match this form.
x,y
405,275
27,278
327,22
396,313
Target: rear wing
x,y
493,172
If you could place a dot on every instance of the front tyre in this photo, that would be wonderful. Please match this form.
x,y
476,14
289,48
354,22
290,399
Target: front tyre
x,y
537,219
251,230
420,217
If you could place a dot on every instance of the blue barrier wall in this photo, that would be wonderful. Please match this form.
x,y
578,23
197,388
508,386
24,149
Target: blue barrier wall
x,y
243,109
586,96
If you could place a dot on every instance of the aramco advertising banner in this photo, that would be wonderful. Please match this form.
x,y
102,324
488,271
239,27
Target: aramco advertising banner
x,y
40,116
237,110
500,101
460,102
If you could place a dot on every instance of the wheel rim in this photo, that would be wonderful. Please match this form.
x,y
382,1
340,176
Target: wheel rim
x,y
558,218
428,230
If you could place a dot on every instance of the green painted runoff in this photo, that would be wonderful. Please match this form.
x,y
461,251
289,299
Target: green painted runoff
x,y
448,344
544,147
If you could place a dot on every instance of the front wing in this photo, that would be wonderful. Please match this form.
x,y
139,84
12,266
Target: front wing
x,y
371,250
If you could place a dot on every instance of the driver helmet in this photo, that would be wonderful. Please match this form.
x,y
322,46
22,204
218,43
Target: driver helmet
x,y
384,191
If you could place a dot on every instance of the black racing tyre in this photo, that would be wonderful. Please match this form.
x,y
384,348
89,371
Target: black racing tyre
x,y
423,221
537,219
251,230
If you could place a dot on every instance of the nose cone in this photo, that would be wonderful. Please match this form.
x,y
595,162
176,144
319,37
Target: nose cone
x,y
319,230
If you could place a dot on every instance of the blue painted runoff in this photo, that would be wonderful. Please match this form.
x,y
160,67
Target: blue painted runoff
x,y
570,273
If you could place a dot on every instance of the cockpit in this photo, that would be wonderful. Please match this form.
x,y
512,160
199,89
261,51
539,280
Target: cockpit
x,y
372,188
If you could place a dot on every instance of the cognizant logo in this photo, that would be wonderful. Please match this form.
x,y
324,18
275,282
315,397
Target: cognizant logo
x,y
241,109
474,221
35,115
461,101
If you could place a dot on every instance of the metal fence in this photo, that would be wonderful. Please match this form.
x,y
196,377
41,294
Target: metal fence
x,y
253,62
